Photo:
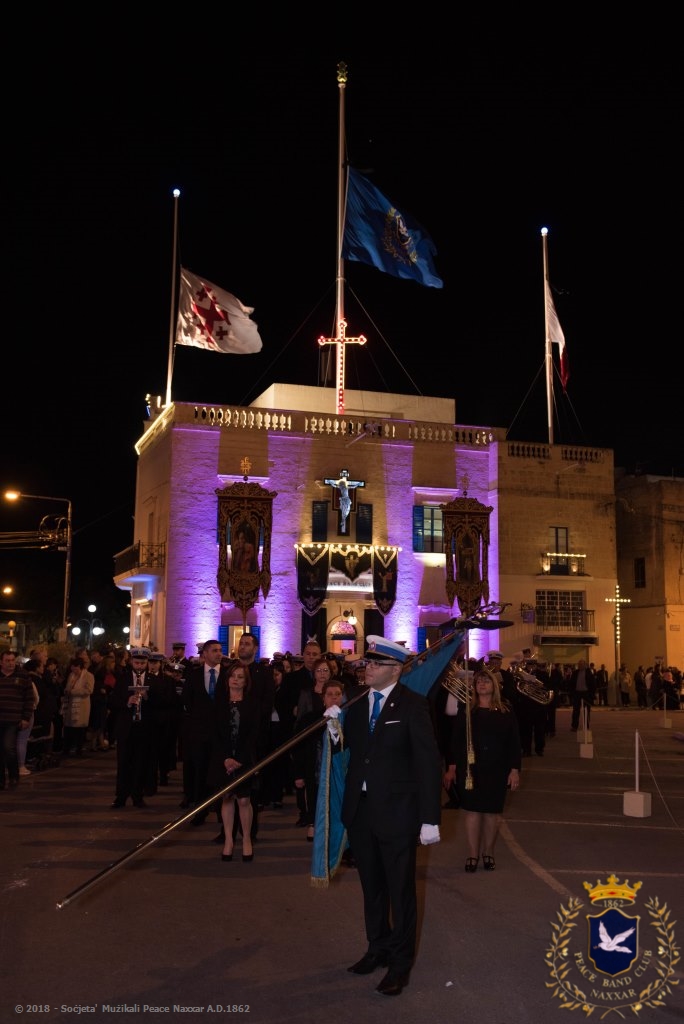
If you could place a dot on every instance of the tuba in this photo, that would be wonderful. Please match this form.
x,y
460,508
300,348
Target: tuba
x,y
529,686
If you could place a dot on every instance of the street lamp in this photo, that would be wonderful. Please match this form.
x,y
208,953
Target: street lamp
x,y
93,630
14,496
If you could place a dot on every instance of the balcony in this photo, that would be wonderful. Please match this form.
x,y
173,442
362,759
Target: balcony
x,y
564,626
557,563
141,563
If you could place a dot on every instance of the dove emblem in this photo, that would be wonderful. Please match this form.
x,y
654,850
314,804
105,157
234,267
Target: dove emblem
x,y
613,945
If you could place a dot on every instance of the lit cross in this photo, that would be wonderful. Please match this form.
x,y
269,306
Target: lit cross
x,y
618,602
340,341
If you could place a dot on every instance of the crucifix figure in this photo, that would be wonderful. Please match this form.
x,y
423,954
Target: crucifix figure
x,y
343,484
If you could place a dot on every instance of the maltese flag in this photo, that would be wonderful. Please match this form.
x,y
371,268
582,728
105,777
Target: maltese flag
x,y
556,334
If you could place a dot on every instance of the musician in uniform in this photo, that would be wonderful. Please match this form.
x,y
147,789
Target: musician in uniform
x,y
532,708
134,729
504,677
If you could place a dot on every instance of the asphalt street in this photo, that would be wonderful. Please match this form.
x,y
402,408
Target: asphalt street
x,y
174,933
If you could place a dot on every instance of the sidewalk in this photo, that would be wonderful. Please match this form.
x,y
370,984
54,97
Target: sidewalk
x,y
176,926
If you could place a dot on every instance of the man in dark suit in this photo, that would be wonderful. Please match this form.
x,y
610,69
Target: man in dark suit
x,y
392,796
199,724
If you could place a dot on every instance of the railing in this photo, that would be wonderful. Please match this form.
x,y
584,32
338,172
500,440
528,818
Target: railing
x,y
140,556
565,620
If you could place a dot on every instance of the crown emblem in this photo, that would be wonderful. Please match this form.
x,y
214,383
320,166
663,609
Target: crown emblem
x,y
612,890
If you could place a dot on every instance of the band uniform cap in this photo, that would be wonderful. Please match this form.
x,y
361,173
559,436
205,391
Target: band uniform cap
x,y
379,649
495,654
156,656
179,644
140,652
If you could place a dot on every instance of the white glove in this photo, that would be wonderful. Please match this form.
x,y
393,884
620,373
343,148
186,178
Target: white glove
x,y
334,730
332,714
429,834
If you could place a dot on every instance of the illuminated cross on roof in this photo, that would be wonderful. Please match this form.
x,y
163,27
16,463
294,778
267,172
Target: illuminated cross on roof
x,y
340,341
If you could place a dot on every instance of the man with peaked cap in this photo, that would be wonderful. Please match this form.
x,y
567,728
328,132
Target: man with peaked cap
x,y
130,699
504,678
392,796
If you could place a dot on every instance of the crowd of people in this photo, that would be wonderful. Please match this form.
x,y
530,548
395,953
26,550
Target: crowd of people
x,y
213,718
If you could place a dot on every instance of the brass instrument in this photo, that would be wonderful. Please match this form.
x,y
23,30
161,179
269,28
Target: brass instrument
x,y
529,686
458,682
138,691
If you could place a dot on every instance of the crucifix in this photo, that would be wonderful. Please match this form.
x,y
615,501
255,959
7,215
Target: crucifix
x,y
618,602
341,341
343,485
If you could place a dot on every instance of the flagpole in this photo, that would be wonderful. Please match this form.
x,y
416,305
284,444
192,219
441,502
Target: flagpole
x,y
174,275
341,178
340,341
547,335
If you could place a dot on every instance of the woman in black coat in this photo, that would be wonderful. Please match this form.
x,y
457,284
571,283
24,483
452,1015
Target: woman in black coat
x,y
490,731
237,729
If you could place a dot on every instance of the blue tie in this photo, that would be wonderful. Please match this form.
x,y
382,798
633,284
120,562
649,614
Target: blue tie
x,y
212,682
375,713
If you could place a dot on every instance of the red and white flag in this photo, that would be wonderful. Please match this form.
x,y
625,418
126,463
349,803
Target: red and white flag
x,y
212,319
556,334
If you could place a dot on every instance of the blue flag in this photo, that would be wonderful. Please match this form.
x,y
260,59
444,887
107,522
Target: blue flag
x,y
376,232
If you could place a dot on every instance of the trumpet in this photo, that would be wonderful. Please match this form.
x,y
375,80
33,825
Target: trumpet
x,y
529,686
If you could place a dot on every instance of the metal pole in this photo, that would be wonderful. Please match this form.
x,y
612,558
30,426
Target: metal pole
x,y
67,569
206,805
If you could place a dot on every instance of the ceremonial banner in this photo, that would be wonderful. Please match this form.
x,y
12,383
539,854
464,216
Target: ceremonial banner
x,y
313,567
385,566
350,561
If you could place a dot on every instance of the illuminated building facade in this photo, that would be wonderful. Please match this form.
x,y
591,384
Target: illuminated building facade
x,y
371,491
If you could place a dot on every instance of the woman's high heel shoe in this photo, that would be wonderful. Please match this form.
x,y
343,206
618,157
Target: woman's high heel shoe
x,y
226,856
471,864
310,835
247,857
488,863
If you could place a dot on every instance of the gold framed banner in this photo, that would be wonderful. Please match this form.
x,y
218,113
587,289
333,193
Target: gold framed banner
x,y
245,523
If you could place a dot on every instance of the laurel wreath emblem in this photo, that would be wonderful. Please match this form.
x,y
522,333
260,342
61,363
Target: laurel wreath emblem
x,y
560,965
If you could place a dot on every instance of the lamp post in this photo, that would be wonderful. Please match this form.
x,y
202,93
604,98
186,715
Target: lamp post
x,y
14,496
93,630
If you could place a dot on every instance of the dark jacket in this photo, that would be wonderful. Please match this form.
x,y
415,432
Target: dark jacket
x,y
399,762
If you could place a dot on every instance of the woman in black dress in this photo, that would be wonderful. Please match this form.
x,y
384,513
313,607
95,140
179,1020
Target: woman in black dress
x,y
490,732
237,721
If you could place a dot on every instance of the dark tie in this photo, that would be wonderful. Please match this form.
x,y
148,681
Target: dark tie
x,y
212,682
375,713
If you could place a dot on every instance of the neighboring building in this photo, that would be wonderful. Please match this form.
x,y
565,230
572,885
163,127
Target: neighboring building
x,y
551,556
650,524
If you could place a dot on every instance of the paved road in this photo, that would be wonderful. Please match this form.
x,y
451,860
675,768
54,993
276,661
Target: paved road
x,y
174,926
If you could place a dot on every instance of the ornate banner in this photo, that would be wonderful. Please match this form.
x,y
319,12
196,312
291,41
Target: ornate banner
x,y
466,543
313,566
350,561
245,521
385,567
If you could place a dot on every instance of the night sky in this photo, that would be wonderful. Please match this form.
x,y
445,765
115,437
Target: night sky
x,y
482,143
